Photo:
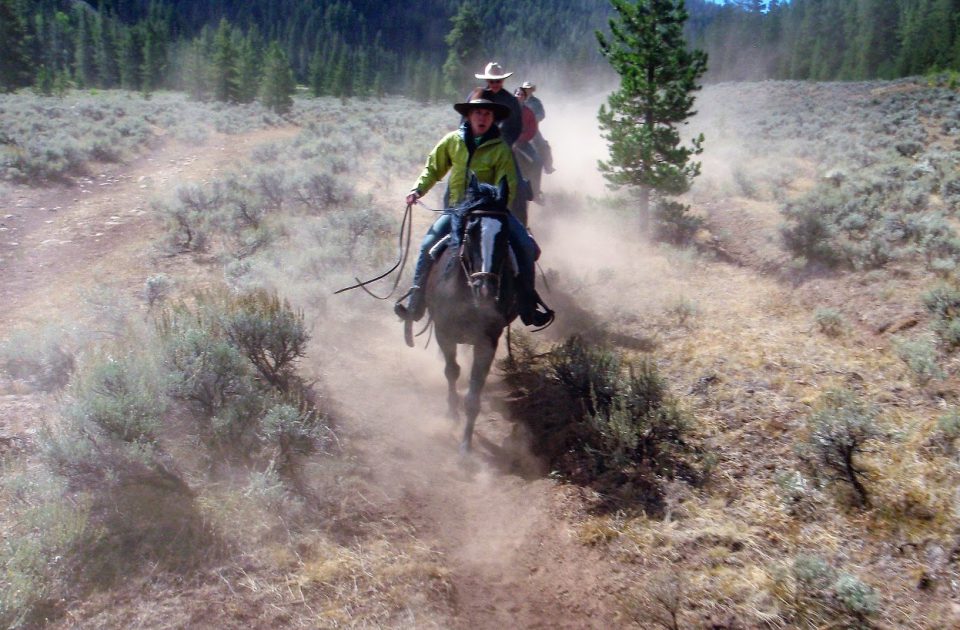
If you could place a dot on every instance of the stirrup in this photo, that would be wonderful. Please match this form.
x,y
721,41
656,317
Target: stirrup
x,y
540,318
414,309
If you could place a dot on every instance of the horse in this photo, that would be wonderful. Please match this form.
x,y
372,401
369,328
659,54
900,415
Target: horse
x,y
471,294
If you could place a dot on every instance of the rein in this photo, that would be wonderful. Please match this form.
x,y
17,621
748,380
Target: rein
x,y
404,254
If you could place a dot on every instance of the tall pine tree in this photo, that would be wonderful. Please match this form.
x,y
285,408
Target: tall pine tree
x,y
658,76
465,50
14,65
278,86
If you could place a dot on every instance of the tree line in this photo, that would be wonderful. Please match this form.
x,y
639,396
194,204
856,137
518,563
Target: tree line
x,y
340,47
429,49
826,40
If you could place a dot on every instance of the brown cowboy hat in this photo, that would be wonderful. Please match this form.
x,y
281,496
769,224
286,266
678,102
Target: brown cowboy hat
x,y
500,112
493,71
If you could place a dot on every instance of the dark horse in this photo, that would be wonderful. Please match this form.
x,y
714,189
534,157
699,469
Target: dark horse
x,y
470,292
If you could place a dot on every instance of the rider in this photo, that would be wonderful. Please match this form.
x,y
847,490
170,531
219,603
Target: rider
x,y
476,146
494,75
539,142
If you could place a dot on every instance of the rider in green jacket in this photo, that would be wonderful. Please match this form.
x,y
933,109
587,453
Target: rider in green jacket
x,y
476,146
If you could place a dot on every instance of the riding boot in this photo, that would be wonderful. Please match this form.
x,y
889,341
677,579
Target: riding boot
x,y
533,311
416,304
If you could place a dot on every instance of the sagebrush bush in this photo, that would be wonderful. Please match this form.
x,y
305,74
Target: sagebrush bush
x,y
42,534
121,397
232,358
921,357
270,333
830,321
841,430
43,358
821,596
628,427
943,302
156,288
857,598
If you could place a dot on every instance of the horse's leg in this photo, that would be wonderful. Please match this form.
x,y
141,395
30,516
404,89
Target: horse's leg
x,y
482,360
452,371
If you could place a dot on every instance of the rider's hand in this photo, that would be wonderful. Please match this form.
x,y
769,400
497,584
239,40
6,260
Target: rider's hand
x,y
412,197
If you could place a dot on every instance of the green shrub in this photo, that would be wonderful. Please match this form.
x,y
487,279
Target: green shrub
x,y
628,427
829,321
293,431
857,599
949,425
41,358
824,597
684,311
810,236
943,302
232,357
209,372
920,355
673,223
157,288
798,494
587,372
121,397
270,334
42,532
840,431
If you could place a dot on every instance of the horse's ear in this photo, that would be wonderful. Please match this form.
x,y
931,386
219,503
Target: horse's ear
x,y
503,190
473,185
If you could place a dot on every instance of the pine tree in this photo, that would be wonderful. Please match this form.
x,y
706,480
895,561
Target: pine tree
x,y
105,49
131,58
316,73
14,65
249,66
196,69
226,81
84,49
154,58
465,49
658,76
276,91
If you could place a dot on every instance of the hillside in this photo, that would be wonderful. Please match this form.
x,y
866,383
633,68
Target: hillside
x,y
379,524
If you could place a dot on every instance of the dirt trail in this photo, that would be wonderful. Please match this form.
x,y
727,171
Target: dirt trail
x,y
500,524
60,241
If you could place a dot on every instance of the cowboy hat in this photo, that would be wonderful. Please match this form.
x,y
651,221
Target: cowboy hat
x,y
500,112
493,72
530,87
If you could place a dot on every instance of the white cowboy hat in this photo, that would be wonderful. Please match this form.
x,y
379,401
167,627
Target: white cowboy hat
x,y
530,87
493,71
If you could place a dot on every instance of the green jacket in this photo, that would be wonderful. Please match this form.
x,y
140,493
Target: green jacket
x,y
492,160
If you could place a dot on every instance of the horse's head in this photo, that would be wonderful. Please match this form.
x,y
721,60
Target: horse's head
x,y
480,196
485,211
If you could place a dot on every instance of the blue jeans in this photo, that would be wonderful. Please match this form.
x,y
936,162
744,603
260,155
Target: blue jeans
x,y
523,246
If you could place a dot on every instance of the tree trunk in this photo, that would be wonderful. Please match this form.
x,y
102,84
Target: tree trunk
x,y
644,212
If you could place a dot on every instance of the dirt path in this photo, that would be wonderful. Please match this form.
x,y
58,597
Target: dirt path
x,y
503,527
61,241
